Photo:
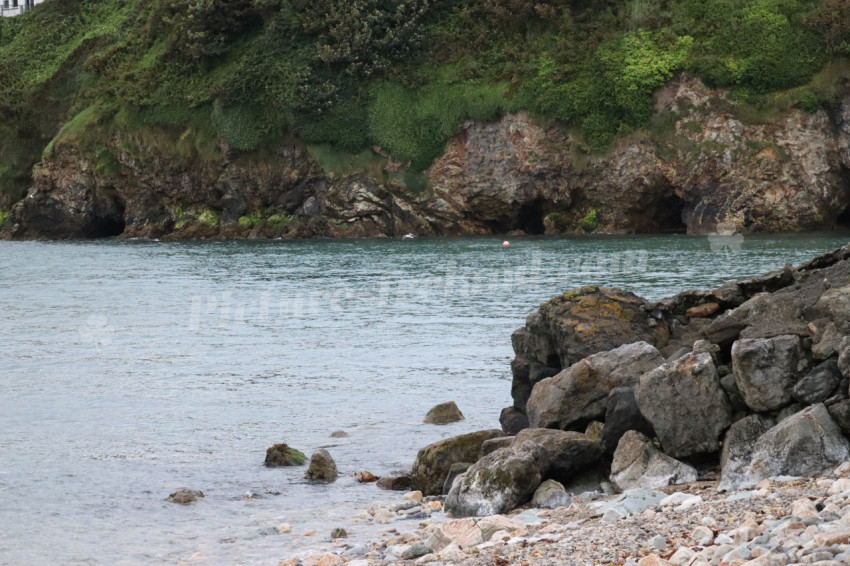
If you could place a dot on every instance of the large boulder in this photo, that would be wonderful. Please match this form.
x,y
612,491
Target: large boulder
x,y
583,322
579,394
738,449
622,415
512,420
808,443
639,464
497,483
819,384
507,478
766,370
685,404
434,461
559,454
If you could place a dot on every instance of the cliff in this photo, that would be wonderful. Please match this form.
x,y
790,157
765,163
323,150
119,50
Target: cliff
x,y
706,170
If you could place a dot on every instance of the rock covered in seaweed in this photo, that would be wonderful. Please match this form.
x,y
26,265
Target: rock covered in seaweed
x,y
283,455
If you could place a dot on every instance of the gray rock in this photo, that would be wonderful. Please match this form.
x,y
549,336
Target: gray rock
x,y
339,532
844,356
788,411
738,448
415,551
456,470
622,414
185,496
395,483
727,382
639,464
495,443
827,341
433,462
512,420
631,501
840,413
560,454
818,384
507,478
766,370
579,394
684,403
497,483
806,444
322,467
339,434
444,413
551,495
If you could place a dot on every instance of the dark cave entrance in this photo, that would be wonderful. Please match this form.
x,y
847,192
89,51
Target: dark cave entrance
x,y
530,218
108,220
843,220
668,216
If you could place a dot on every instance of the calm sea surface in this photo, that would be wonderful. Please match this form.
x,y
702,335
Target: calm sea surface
x,y
128,370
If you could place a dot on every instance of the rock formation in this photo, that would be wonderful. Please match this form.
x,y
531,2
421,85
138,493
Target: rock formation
x,y
711,172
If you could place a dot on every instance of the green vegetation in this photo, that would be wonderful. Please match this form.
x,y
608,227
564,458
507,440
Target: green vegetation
x,y
346,76
590,220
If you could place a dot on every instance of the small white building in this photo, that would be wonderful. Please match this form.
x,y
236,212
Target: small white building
x,y
15,7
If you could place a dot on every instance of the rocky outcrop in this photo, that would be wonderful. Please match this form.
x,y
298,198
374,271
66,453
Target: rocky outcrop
x,y
709,172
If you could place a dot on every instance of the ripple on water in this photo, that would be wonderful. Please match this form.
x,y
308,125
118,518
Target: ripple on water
x,y
137,368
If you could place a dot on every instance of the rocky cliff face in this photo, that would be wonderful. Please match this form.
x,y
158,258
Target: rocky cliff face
x,y
702,169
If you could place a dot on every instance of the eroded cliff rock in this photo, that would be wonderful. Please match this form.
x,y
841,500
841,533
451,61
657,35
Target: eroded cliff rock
x,y
700,169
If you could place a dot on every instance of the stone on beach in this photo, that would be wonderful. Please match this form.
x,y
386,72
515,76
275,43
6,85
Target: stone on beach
x,y
622,415
551,495
738,449
322,467
806,444
444,413
639,464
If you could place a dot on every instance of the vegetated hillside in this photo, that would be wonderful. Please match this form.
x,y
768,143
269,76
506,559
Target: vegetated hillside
x,y
398,75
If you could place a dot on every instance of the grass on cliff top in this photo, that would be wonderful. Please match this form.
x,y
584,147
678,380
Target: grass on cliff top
x,y
397,74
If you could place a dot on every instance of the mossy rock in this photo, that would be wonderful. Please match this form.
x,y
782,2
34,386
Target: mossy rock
x,y
433,462
282,455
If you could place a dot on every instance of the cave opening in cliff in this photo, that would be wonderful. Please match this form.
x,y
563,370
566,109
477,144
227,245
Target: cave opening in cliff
x,y
843,220
530,218
108,221
669,216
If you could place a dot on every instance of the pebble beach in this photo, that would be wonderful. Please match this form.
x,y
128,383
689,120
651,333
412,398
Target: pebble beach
x,y
780,522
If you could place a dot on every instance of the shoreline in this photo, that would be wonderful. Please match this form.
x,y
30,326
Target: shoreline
x,y
778,521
